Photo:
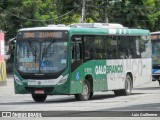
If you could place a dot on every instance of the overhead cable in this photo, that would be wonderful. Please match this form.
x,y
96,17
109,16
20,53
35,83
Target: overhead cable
x,y
36,20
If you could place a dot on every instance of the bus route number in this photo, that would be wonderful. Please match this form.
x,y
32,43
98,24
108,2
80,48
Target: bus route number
x,y
28,35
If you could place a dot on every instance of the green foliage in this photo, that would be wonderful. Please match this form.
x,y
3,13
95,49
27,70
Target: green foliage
x,y
16,14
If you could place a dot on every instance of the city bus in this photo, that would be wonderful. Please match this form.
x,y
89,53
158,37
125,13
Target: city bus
x,y
155,40
81,59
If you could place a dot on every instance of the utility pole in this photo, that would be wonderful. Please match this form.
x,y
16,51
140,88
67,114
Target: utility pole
x,y
106,7
106,12
83,10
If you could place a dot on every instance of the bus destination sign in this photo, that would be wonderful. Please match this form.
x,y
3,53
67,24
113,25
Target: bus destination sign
x,y
154,37
42,34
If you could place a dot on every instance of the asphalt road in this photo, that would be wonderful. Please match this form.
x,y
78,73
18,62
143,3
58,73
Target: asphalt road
x,y
144,103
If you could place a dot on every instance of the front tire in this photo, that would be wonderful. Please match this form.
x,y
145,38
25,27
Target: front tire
x,y
86,94
39,98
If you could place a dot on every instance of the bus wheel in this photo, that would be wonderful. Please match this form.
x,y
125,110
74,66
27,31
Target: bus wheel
x,y
85,95
159,82
117,92
128,86
91,95
39,98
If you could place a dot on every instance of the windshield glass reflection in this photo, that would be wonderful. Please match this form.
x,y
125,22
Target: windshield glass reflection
x,y
41,57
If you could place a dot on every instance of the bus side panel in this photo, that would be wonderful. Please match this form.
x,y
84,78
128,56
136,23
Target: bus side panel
x,y
100,81
140,69
115,74
145,74
95,69
76,81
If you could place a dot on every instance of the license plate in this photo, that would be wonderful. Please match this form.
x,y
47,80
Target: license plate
x,y
39,92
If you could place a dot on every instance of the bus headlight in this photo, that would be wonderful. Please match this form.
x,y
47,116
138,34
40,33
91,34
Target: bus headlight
x,y
63,79
18,81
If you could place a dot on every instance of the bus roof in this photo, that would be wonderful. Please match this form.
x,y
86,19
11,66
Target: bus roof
x,y
49,27
105,28
97,25
109,31
157,32
93,29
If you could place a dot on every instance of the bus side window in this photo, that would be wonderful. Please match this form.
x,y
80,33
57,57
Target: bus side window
x,y
73,52
76,50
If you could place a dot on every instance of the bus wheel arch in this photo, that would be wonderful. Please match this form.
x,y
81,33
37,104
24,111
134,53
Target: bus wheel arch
x,y
89,78
130,74
128,85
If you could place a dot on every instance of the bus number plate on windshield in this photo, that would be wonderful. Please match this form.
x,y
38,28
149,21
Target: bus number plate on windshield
x,y
39,91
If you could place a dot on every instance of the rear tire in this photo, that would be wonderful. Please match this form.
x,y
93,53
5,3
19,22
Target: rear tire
x,y
86,94
91,95
39,98
117,92
128,87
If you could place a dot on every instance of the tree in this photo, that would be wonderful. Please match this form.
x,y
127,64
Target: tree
x,y
136,13
26,13
68,11
16,14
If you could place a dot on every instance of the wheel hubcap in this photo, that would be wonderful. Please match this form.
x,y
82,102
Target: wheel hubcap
x,y
85,91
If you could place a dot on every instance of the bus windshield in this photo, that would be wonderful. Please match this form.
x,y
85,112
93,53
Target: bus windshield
x,y
40,57
156,51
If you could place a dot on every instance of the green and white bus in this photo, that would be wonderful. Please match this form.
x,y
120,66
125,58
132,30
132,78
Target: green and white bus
x,y
81,59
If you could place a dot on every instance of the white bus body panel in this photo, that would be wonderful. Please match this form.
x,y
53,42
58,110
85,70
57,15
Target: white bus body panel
x,y
139,68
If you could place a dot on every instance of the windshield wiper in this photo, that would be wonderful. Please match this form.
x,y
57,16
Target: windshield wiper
x,y
46,49
33,50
